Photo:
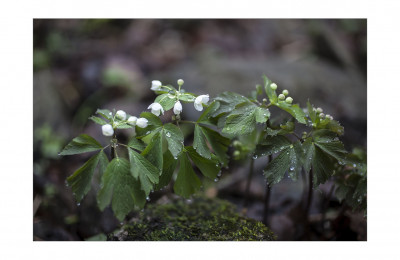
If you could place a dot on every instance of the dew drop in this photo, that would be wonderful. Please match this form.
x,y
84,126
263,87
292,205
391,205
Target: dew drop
x,y
121,223
148,198
78,204
59,154
175,157
219,174
110,113
216,180
354,165
291,168
148,132
66,183
255,156
168,134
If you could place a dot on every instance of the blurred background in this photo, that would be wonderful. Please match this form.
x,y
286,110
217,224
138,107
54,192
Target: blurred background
x,y
82,65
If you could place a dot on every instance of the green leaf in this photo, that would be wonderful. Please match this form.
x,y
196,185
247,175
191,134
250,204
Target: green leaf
x,y
137,144
174,138
154,151
262,114
154,124
272,144
103,163
167,101
208,167
294,110
141,168
228,101
81,144
81,179
329,143
168,170
187,181
271,94
241,121
187,97
205,116
199,142
123,125
218,143
105,113
120,188
98,120
296,155
276,169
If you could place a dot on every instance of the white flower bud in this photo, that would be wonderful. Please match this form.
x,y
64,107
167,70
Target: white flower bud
x,y
320,110
107,130
177,108
321,115
156,85
264,100
121,115
329,116
285,92
132,120
281,96
180,82
289,100
199,101
156,109
142,122
273,86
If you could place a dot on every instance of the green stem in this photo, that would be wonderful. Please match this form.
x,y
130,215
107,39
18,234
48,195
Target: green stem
x,y
248,183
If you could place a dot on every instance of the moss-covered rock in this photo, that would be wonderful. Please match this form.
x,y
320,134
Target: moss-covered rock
x,y
200,219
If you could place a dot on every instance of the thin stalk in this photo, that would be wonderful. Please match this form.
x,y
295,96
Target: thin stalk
x,y
326,205
248,183
113,149
267,197
310,194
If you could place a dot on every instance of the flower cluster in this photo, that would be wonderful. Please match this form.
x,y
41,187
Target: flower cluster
x,y
121,118
177,95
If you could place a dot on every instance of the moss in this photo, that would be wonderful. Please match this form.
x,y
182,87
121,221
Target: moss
x,y
201,219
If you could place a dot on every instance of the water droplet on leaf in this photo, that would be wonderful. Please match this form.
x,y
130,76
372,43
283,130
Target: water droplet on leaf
x,y
216,179
168,134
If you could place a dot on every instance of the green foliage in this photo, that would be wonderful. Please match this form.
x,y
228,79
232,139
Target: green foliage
x,y
199,220
81,144
81,179
120,188
157,148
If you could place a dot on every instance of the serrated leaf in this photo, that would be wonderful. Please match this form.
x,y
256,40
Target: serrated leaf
x,y
271,94
228,101
81,144
80,181
218,143
154,151
199,142
296,156
98,120
262,114
272,144
276,169
294,110
120,188
208,167
174,137
137,144
141,168
154,124
168,170
167,101
187,181
241,121
103,163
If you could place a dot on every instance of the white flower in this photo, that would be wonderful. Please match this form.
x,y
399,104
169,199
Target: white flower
x,y
321,115
132,120
156,109
289,100
180,82
281,96
273,86
177,108
199,101
156,85
142,122
121,115
107,130
320,110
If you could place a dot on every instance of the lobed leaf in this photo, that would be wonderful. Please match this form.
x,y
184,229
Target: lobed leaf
x,y
208,167
81,144
174,137
120,188
187,181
